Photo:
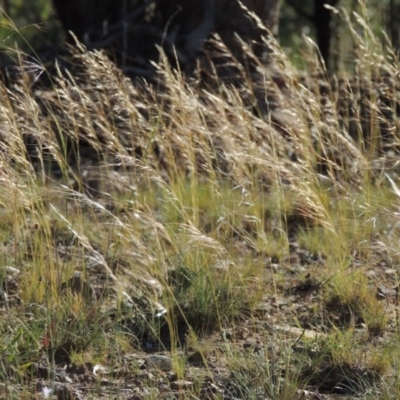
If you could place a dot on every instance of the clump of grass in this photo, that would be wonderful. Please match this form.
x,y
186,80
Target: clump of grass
x,y
254,376
185,208
354,301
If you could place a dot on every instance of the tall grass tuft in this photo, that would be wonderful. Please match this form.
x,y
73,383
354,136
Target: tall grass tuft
x,y
248,221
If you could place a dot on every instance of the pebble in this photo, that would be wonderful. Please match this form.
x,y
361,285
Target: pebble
x,y
163,363
181,385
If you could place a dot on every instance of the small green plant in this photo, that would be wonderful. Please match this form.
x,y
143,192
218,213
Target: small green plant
x,y
255,375
353,302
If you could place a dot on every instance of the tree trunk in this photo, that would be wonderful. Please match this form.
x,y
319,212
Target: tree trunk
x,y
88,19
322,19
393,24
133,28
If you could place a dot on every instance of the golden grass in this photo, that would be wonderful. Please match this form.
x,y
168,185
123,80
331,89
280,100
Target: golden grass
x,y
186,207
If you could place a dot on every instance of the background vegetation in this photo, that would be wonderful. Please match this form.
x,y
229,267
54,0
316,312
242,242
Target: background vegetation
x,y
38,22
231,233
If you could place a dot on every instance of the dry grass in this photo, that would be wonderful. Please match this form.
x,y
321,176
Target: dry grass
x,y
250,227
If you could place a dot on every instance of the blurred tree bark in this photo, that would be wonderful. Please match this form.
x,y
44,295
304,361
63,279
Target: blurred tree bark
x,y
5,4
323,25
132,28
88,17
393,24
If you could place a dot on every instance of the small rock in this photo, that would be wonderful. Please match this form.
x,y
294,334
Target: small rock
x,y
242,333
172,376
384,292
196,358
101,370
12,271
281,302
163,363
371,274
227,334
390,271
181,385
146,376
